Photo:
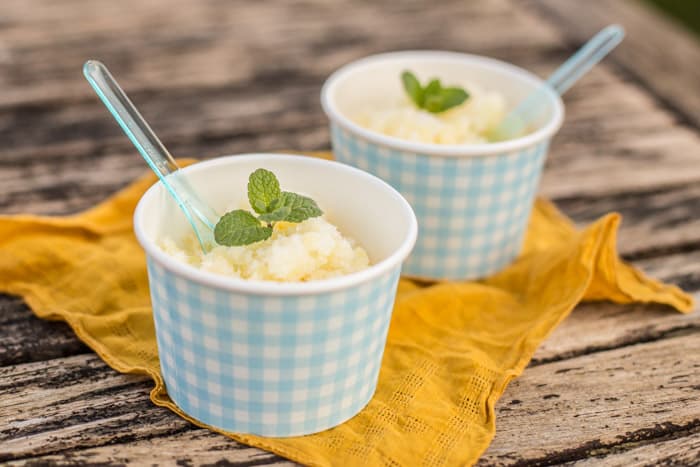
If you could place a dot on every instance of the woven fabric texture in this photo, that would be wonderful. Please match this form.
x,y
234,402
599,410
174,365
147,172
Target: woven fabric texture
x,y
452,347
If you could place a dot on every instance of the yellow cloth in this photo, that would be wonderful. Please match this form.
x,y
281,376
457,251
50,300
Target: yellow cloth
x,y
451,351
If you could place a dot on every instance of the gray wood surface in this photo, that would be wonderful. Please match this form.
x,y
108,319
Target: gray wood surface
x,y
612,385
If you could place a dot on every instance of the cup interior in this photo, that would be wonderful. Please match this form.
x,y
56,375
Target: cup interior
x,y
361,205
373,81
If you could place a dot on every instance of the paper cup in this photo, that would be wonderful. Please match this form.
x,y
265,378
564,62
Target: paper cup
x,y
473,201
276,359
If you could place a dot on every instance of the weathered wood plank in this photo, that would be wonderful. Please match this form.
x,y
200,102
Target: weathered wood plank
x,y
654,222
25,338
77,402
611,128
263,104
598,327
678,451
656,52
211,43
582,404
594,327
60,404
197,447
598,402
635,148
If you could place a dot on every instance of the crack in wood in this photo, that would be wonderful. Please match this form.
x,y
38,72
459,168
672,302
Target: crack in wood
x,y
87,456
676,331
692,281
113,435
267,460
660,432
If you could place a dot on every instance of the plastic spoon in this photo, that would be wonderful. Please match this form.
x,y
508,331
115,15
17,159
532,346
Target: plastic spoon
x,y
560,81
152,150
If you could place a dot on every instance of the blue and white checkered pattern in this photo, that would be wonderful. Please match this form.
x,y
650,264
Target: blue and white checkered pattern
x,y
472,211
270,365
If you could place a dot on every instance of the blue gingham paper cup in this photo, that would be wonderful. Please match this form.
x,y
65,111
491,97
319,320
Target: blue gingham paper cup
x,y
276,359
472,201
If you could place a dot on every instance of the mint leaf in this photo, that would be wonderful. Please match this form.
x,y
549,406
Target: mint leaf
x,y
301,207
412,87
279,214
443,99
238,228
433,104
433,97
263,189
452,97
433,88
241,227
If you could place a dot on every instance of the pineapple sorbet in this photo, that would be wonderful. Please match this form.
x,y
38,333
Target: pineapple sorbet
x,y
296,252
467,123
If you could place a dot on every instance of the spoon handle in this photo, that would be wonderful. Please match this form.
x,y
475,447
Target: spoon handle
x,y
147,143
585,58
516,121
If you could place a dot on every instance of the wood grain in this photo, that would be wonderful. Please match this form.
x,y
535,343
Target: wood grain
x,y
212,43
611,126
63,404
675,451
19,328
594,402
69,404
634,137
195,447
657,52
597,327
627,391
653,222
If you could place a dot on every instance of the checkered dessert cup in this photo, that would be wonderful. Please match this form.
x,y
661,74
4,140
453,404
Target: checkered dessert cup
x,y
276,359
473,202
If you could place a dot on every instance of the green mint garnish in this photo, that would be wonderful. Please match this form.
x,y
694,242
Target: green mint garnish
x,y
300,207
263,189
279,214
412,87
433,97
240,227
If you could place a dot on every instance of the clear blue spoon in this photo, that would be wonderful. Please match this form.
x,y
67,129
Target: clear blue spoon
x,y
201,217
515,123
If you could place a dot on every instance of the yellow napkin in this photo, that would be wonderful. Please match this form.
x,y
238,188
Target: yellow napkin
x,y
451,351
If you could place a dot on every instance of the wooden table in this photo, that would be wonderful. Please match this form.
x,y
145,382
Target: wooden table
x,y
613,385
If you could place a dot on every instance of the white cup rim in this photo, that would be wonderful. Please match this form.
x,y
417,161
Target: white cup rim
x,y
544,132
271,288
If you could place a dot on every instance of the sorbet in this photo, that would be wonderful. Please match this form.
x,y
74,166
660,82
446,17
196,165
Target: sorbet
x,y
296,252
467,123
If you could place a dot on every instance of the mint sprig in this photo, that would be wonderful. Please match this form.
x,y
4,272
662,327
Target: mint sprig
x,y
433,97
300,207
263,189
241,227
